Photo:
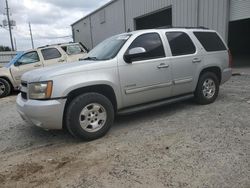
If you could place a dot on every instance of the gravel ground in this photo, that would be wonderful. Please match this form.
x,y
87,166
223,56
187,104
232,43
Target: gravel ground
x,y
181,145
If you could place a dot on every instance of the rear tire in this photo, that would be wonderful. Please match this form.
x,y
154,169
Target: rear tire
x,y
5,88
89,116
207,89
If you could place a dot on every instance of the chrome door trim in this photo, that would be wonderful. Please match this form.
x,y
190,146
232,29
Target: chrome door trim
x,y
146,88
183,81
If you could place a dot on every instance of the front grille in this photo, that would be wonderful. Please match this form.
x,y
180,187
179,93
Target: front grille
x,y
24,95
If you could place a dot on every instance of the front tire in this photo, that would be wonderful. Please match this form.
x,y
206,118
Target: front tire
x,y
89,116
5,88
207,89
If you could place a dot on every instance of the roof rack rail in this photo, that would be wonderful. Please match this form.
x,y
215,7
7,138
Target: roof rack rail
x,y
54,45
181,27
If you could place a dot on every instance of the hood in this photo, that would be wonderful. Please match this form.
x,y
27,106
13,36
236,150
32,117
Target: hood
x,y
48,73
4,71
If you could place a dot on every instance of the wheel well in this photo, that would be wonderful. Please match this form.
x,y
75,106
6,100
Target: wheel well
x,y
105,90
215,70
7,79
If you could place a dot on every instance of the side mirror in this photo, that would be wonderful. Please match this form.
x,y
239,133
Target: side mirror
x,y
18,63
134,53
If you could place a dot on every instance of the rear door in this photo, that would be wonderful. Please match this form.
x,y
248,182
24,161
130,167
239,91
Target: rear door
x,y
52,56
27,62
185,61
148,78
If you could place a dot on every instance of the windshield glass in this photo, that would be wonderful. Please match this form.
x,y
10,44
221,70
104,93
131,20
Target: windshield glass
x,y
18,55
108,49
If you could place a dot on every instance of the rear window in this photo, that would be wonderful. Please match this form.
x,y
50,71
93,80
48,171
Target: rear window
x,y
50,53
72,49
210,41
180,43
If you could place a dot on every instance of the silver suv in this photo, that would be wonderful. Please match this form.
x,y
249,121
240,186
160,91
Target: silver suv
x,y
124,74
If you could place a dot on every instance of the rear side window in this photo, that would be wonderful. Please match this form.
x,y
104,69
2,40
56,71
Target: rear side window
x,y
180,43
72,49
210,41
50,53
152,44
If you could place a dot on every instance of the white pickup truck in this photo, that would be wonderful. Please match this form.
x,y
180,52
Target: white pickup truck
x,y
10,75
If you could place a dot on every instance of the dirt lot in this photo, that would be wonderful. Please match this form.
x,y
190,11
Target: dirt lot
x,y
181,145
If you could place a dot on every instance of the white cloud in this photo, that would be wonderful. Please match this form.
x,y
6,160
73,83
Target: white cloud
x,y
50,19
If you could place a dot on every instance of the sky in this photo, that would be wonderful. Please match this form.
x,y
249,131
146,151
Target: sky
x,y
50,20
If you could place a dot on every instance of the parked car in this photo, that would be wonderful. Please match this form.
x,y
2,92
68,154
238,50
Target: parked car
x,y
10,75
125,74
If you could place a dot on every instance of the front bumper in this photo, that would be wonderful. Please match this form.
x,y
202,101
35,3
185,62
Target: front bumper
x,y
226,75
45,114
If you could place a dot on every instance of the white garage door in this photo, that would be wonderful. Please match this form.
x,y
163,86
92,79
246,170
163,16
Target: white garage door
x,y
239,9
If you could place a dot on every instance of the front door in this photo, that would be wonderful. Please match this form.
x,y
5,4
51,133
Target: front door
x,y
146,78
27,62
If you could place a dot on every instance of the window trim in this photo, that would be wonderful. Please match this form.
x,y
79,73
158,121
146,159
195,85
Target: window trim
x,y
27,63
145,59
188,37
51,58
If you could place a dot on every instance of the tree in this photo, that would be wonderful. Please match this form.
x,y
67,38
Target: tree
x,y
4,48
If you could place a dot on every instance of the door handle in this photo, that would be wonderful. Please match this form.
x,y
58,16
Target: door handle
x,y
38,65
196,60
162,66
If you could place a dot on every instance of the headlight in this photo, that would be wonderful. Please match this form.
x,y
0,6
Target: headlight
x,y
40,90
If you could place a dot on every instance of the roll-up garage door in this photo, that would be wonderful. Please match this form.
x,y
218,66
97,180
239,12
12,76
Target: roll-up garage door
x,y
239,9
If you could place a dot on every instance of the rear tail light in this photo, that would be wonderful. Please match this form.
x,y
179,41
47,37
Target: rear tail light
x,y
230,59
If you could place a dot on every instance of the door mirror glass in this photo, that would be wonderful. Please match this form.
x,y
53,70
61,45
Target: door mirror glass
x,y
134,53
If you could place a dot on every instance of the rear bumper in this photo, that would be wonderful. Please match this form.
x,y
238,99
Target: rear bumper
x,y
226,75
45,114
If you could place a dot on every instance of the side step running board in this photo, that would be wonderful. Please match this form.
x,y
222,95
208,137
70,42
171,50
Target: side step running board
x,y
154,104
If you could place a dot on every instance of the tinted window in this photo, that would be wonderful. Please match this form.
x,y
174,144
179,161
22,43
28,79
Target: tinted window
x,y
51,53
31,57
180,43
210,41
152,44
72,49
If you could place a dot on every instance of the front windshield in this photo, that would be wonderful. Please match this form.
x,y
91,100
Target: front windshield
x,y
109,48
18,55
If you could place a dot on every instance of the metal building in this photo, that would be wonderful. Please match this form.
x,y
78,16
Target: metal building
x,y
231,18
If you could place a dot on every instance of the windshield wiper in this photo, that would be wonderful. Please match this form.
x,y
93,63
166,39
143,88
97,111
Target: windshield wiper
x,y
91,58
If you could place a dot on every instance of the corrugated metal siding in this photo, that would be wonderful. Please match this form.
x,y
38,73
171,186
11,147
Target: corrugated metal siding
x,y
210,13
82,32
239,9
141,7
214,15
185,13
114,22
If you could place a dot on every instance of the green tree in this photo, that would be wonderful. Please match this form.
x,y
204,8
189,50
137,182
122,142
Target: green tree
x,y
4,48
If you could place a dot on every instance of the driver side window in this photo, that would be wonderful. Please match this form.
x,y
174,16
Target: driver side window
x,y
28,58
152,43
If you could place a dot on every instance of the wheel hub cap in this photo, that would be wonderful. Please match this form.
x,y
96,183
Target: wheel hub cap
x,y
208,88
2,88
93,117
